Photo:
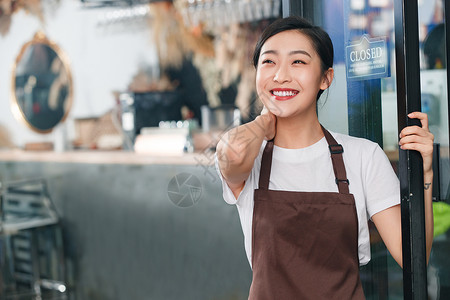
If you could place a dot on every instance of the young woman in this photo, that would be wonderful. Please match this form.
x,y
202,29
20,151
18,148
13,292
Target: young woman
x,y
304,194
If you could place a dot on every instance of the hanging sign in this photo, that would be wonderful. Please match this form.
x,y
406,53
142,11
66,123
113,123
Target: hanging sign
x,y
367,59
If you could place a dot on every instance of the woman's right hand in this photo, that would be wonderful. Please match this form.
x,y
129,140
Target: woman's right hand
x,y
269,123
239,147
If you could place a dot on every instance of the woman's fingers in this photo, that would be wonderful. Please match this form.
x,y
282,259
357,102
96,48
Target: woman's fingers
x,y
419,139
423,131
416,135
415,130
414,142
264,110
269,122
422,117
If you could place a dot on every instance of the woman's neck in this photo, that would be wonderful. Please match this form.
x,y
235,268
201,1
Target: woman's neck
x,y
298,132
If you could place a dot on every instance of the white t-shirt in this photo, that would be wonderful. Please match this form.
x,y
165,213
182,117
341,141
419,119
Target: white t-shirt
x,y
373,182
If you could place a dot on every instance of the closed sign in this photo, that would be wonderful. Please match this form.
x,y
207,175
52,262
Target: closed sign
x,y
367,59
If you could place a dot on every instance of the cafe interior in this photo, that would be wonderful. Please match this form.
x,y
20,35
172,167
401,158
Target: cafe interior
x,y
110,113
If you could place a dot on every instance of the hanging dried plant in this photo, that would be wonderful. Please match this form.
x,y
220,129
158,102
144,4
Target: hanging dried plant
x,y
9,7
167,35
173,40
232,64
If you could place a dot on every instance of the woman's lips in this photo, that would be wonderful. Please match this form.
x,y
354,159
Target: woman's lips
x,y
283,94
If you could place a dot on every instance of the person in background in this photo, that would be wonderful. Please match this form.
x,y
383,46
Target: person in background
x,y
303,193
189,87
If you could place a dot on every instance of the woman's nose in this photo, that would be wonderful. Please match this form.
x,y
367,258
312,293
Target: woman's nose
x,y
282,75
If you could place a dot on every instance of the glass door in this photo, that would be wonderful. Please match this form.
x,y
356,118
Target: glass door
x,y
433,24
363,101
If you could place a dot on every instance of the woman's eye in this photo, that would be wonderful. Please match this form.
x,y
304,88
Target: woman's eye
x,y
267,61
298,61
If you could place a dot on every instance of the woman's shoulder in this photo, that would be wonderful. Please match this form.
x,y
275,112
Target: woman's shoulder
x,y
354,143
362,152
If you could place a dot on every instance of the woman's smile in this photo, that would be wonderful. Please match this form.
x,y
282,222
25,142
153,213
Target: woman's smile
x,y
282,94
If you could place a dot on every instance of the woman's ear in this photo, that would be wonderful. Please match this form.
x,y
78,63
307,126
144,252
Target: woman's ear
x,y
327,79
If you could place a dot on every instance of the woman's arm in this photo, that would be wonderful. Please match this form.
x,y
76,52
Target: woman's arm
x,y
388,222
238,148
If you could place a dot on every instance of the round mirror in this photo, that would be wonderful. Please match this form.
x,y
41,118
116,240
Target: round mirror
x,y
41,85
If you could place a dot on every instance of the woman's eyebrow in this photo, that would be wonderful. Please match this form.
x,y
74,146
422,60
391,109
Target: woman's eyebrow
x,y
299,52
270,52
290,53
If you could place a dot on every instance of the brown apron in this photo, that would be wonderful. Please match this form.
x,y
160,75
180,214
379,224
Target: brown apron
x,y
305,244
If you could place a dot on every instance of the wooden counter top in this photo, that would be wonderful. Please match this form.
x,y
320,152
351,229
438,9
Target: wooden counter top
x,y
106,157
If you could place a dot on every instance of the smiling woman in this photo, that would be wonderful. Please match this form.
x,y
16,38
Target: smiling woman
x,y
304,193
41,85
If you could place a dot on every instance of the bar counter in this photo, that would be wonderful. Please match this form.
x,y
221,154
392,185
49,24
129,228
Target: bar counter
x,y
126,238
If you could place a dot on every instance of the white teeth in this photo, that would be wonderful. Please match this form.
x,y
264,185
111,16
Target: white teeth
x,y
284,93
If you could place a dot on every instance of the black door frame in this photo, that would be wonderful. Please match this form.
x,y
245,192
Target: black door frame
x,y
410,162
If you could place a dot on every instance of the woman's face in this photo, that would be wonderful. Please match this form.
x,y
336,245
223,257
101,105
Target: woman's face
x,y
289,74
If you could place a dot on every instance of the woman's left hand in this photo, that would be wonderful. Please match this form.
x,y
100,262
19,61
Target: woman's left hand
x,y
419,139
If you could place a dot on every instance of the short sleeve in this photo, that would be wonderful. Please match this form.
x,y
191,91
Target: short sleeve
x,y
228,195
382,186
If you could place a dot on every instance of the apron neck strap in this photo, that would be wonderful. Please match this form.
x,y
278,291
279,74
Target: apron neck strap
x,y
336,151
266,165
337,160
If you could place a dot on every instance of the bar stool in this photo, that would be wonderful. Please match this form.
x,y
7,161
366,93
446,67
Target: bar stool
x,y
31,244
